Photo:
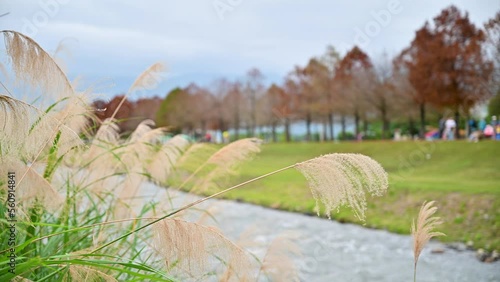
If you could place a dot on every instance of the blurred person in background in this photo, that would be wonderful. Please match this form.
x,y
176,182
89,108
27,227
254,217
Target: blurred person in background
x,y
449,129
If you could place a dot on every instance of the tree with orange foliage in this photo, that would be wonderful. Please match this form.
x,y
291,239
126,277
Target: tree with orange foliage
x,y
299,86
417,62
201,101
352,74
254,88
447,66
234,104
316,87
276,109
106,109
460,67
330,104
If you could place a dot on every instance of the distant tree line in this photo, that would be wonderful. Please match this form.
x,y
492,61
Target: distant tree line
x,y
450,66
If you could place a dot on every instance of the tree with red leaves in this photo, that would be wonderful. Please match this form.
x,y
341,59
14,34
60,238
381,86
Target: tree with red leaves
x,y
446,65
353,71
277,108
106,109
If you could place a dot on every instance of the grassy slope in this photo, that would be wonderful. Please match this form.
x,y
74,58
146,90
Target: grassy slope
x,y
464,179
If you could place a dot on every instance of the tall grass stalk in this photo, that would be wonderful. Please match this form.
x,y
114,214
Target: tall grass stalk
x,y
423,231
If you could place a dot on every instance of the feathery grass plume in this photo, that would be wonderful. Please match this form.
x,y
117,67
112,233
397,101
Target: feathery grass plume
x,y
86,273
190,163
194,249
14,123
101,159
142,128
196,154
277,264
149,79
161,164
34,189
106,138
225,161
49,131
126,202
136,154
27,130
34,66
235,153
61,51
179,141
76,113
5,74
342,179
140,146
422,232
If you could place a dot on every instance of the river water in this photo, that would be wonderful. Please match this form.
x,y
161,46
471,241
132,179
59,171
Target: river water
x,y
332,251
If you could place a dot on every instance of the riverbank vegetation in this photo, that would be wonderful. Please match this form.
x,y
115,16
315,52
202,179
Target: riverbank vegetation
x,y
461,177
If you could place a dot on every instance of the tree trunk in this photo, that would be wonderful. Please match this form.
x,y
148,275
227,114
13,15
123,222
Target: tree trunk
x,y
356,122
342,122
422,121
253,113
248,128
385,123
236,125
411,125
204,126
287,130
330,124
325,133
273,132
468,125
236,133
365,127
457,120
385,129
308,127
221,125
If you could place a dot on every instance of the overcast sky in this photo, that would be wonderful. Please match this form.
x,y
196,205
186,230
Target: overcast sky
x,y
112,41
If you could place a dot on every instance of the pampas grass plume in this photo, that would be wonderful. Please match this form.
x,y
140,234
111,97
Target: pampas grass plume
x,y
343,179
423,230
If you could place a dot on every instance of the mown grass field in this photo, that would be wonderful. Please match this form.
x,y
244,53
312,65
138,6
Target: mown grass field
x,y
464,179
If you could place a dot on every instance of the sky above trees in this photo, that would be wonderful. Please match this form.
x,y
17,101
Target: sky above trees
x,y
110,42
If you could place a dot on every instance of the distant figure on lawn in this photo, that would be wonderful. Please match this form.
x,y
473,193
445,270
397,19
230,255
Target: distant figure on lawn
x,y
482,124
397,134
441,127
496,128
449,129
208,137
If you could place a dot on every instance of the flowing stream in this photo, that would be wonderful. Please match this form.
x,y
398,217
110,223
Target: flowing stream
x,y
332,251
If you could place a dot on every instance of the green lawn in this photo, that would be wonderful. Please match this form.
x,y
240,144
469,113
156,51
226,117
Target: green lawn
x,y
464,179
